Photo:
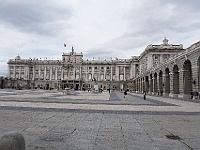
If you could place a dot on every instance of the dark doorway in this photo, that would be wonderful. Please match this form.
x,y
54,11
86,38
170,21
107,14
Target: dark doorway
x,y
76,88
187,77
167,81
175,80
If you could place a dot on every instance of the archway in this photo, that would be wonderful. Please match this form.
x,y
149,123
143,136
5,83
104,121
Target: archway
x,y
167,81
155,86
187,77
175,79
147,84
161,82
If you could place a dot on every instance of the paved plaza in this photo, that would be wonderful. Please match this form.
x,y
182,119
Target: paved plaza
x,y
50,120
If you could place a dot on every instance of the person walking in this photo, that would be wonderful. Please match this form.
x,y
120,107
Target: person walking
x,y
125,93
191,93
144,93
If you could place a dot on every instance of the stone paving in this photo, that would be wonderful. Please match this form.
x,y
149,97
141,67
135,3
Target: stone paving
x,y
50,120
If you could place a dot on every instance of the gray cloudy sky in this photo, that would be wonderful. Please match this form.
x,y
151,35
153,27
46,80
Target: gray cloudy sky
x,y
98,28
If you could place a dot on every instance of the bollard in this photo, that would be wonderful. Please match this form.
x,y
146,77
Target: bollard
x,y
12,141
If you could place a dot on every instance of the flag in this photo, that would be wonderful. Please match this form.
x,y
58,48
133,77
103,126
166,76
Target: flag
x,y
65,45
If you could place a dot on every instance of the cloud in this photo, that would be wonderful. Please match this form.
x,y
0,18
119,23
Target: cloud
x,y
101,28
149,22
39,17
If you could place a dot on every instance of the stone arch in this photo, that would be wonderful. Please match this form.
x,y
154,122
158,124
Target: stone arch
x,y
187,77
147,83
198,72
175,79
161,82
155,86
167,81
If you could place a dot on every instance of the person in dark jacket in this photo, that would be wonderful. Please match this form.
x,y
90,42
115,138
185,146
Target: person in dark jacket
x,y
125,93
144,93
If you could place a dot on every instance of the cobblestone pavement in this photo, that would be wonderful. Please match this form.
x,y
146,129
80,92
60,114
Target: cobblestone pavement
x,y
50,120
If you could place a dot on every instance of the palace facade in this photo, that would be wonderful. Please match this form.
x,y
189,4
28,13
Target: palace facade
x,y
156,70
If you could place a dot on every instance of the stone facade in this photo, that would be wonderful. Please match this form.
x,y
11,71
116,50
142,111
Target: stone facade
x,y
166,69
71,72
176,77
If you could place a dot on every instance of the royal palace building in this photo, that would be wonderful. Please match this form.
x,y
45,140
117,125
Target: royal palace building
x,y
72,72
164,69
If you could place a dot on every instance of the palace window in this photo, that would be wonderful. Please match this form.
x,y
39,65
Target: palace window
x,y
156,57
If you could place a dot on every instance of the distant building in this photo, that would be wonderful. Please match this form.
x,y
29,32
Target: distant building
x,y
139,73
72,72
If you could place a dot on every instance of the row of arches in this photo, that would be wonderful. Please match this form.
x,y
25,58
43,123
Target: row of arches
x,y
172,80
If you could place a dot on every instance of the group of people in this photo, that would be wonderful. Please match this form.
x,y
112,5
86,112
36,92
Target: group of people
x,y
144,93
195,95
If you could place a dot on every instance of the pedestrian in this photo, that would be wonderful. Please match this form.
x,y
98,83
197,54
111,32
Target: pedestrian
x,y
196,95
191,93
161,92
125,93
144,95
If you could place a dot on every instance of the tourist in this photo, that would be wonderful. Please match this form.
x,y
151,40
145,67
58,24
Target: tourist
x,y
125,93
144,95
195,95
191,93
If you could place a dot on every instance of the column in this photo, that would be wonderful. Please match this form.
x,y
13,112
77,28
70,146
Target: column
x,y
131,73
20,72
117,73
56,74
33,72
104,74
74,72
14,72
50,74
161,58
181,85
111,76
124,73
155,85
171,74
62,74
92,72
39,74
45,72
